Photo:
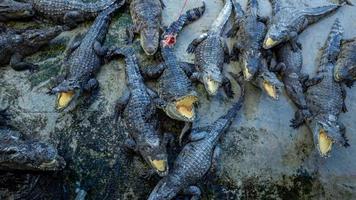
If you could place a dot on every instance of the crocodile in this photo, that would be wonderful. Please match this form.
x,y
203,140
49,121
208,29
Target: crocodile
x,y
345,69
290,63
140,115
197,157
68,12
325,100
288,21
19,153
211,51
147,18
177,95
82,62
14,10
250,30
15,45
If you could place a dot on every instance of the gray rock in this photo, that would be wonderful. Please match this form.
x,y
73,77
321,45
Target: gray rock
x,y
263,158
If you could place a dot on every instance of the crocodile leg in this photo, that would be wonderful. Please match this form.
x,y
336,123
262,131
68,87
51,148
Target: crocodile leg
x,y
193,191
99,49
131,31
280,68
73,46
215,168
227,87
72,18
193,45
121,104
91,85
312,81
344,94
152,72
299,118
188,68
18,64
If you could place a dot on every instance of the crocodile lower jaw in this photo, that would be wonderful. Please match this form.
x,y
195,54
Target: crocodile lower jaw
x,y
185,106
325,143
64,99
269,43
270,90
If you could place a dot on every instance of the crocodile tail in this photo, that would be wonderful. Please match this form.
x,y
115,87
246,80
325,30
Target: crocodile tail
x,y
101,5
347,2
185,19
332,45
252,7
194,14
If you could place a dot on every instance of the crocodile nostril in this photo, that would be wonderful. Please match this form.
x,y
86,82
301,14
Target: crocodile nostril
x,y
150,50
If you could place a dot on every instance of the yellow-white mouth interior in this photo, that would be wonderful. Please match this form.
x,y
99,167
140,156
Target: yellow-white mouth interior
x,y
325,143
247,73
160,165
64,99
270,90
270,42
185,106
213,86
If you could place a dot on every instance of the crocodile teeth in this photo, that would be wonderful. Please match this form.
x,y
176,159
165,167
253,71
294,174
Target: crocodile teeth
x,y
64,98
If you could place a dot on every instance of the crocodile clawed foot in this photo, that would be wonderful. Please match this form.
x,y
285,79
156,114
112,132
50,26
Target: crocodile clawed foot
x,y
33,68
299,118
191,48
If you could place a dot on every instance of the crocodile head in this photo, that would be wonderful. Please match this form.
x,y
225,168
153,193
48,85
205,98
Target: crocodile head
x,y
326,132
16,10
276,34
149,38
38,37
68,93
155,154
29,154
251,64
182,109
212,81
270,85
345,72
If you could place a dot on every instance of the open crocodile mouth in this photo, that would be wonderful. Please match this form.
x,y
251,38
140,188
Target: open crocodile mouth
x,y
64,99
269,43
185,106
247,73
325,143
271,90
160,166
